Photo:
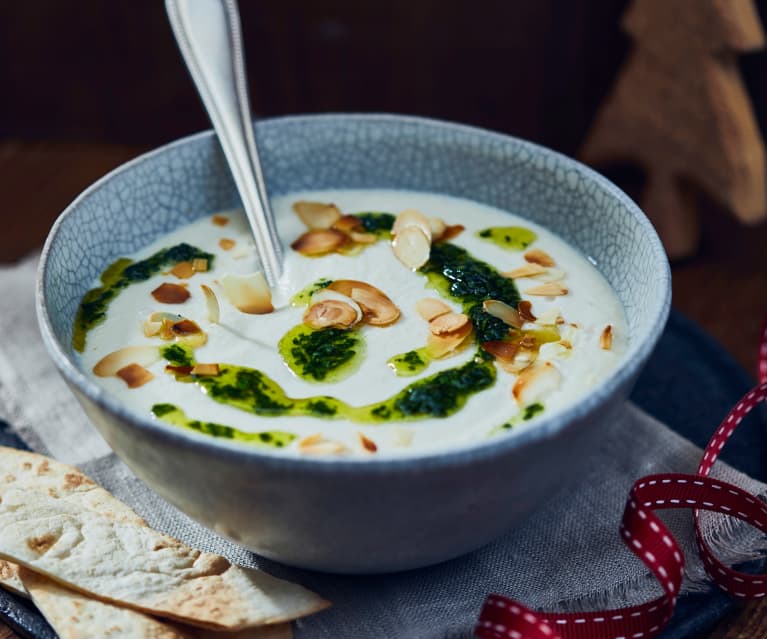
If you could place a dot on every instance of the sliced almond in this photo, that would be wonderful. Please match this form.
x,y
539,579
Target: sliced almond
x,y
207,370
411,246
551,275
134,375
166,329
505,351
453,230
429,308
179,370
550,350
402,437
606,338
170,293
367,443
363,238
377,308
330,314
536,382
549,317
526,270
549,289
324,448
248,293
183,270
186,327
151,328
347,223
539,256
525,309
325,294
448,323
412,218
507,314
320,242
195,340
310,440
109,365
437,226
200,264
211,303
317,215
226,243
438,346
220,220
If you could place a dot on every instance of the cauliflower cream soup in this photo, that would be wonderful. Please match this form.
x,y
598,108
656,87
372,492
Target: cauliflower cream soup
x,y
404,323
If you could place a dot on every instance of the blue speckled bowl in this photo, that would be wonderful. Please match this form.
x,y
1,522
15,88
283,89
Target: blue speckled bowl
x,y
374,515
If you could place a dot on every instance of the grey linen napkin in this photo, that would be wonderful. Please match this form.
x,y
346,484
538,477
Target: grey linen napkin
x,y
568,555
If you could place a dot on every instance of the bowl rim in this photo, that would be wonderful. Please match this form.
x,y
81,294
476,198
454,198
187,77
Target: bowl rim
x,y
481,450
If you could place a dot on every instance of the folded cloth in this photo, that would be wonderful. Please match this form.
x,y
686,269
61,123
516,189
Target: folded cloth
x,y
568,555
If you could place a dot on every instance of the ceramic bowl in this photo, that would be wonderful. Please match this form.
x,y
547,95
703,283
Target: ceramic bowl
x,y
347,515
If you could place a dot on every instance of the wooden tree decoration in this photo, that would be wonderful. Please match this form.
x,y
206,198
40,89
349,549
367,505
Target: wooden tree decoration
x,y
679,109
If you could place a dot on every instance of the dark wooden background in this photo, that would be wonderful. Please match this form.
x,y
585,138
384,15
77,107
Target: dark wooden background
x,y
87,84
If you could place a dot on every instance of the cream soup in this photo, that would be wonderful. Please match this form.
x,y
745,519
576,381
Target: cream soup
x,y
471,323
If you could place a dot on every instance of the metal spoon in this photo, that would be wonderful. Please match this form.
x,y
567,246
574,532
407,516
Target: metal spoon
x,y
209,36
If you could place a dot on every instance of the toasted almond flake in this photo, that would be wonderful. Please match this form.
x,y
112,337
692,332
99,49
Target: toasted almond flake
x,y
505,351
134,375
367,443
108,365
166,329
526,270
330,314
549,289
402,437
377,308
226,243
507,314
320,242
200,264
525,308
411,247
325,294
151,328
453,230
310,440
437,226
539,256
551,275
220,220
535,382
317,215
178,370
193,341
559,320
412,218
248,293
211,303
429,308
550,350
183,270
324,448
170,293
347,223
363,238
186,327
448,323
438,346
207,370
566,343
606,338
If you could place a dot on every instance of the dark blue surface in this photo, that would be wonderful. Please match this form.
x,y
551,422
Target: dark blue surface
x,y
690,383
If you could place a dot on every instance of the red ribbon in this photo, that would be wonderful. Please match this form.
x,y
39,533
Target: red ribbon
x,y
646,535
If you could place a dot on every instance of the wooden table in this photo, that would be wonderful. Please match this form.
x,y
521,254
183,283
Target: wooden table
x,y
724,289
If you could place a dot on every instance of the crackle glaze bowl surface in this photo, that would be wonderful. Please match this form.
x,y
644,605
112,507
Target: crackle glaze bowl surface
x,y
347,515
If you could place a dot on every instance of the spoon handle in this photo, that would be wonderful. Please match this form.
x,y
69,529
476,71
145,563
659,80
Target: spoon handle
x,y
209,36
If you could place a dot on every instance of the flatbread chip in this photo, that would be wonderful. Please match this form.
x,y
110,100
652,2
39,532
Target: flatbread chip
x,y
138,567
10,580
76,616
